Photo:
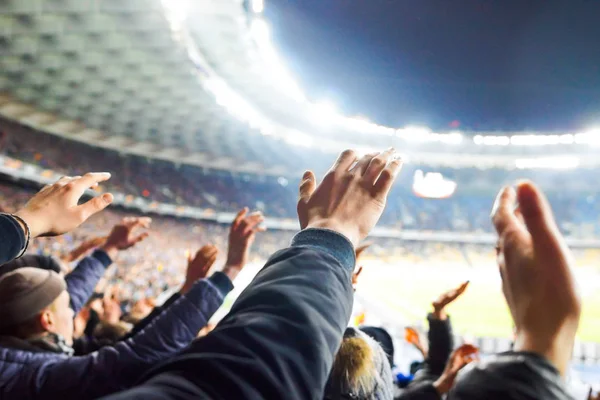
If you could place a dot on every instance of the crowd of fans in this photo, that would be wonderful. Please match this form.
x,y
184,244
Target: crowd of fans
x,y
71,326
467,211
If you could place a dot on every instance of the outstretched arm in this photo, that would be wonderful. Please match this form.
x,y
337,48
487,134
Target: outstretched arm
x,y
281,335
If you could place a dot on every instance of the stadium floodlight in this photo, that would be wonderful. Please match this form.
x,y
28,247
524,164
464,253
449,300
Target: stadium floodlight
x,y
258,6
274,69
559,162
325,112
176,10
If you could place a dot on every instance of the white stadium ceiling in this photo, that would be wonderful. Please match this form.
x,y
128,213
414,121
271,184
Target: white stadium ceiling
x,y
174,79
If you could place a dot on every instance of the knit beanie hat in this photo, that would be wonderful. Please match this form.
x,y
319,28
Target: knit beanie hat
x,y
384,339
360,370
32,260
27,291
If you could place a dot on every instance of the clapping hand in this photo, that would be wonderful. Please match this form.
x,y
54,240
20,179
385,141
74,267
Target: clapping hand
x,y
199,265
352,195
460,358
55,209
242,234
537,279
446,298
123,236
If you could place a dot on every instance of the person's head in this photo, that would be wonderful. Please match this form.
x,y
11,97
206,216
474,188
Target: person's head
x,y
384,339
35,302
360,370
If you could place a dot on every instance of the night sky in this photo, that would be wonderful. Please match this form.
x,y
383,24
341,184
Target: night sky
x,y
511,64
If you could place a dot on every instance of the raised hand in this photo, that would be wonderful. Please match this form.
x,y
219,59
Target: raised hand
x,y
460,358
412,336
199,265
446,298
84,247
538,284
351,197
242,234
123,235
357,271
55,210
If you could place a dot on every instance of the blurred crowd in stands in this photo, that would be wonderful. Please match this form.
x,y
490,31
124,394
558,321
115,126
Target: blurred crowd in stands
x,y
467,211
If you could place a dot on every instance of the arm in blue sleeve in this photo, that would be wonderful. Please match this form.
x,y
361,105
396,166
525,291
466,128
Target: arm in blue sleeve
x,y
279,339
12,238
84,278
118,367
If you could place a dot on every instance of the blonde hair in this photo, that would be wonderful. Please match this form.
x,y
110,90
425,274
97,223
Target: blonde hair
x,y
354,366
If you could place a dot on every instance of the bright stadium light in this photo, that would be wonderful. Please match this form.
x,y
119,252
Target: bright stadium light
x,y
559,162
258,6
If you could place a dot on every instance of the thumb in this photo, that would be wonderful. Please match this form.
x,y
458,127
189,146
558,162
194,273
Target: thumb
x,y
307,186
95,205
537,215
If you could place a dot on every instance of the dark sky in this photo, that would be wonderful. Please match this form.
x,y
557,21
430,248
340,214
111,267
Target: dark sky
x,y
509,64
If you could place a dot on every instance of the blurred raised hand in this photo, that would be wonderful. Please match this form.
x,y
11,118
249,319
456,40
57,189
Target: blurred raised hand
x,y
199,265
352,195
124,235
55,209
460,358
358,270
537,279
439,305
83,248
414,337
242,234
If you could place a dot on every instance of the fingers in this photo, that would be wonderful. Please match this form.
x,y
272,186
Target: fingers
x,y
537,214
239,217
344,161
503,215
139,238
307,186
363,164
90,179
386,179
461,289
251,223
95,205
378,164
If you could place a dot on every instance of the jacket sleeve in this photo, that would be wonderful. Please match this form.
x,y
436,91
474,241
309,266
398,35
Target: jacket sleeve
x,y
279,340
84,278
152,316
511,376
419,391
441,343
118,367
11,237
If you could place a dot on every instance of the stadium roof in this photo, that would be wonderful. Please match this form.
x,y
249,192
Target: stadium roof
x,y
189,81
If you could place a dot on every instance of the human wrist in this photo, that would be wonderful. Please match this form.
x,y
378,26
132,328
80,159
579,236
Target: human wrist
x,y
34,229
348,231
111,250
232,270
556,349
442,385
439,314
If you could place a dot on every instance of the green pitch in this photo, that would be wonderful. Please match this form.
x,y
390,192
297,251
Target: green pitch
x,y
481,311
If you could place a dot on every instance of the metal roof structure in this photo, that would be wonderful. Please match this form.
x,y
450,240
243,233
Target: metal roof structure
x,y
191,81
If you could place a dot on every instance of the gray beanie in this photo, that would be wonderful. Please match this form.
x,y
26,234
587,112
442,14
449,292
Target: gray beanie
x,y
360,370
27,291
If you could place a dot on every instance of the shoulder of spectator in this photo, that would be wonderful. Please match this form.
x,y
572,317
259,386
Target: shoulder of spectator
x,y
331,242
103,257
521,374
419,391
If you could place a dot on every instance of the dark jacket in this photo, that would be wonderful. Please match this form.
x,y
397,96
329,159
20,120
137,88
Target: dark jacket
x,y
12,239
511,376
32,375
441,343
280,338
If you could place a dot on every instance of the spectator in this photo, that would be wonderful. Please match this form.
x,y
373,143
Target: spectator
x,y
360,370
